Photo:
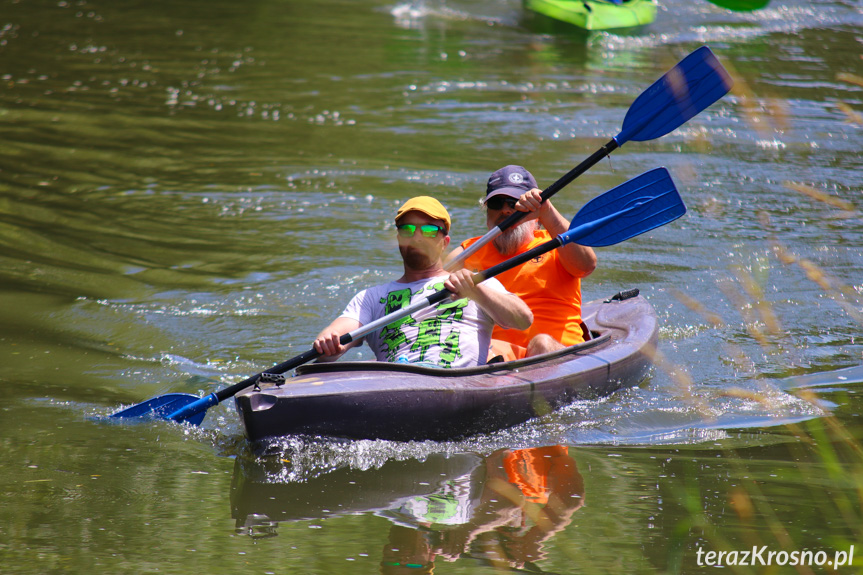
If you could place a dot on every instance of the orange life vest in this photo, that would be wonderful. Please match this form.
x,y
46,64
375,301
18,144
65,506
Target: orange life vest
x,y
551,293
535,471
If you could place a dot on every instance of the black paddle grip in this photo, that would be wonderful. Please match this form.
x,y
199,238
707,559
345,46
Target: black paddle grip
x,y
563,181
281,368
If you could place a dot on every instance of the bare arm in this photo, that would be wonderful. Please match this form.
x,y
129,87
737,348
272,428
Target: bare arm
x,y
579,261
506,309
327,342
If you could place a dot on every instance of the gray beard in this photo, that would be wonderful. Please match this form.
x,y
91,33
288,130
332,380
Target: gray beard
x,y
509,242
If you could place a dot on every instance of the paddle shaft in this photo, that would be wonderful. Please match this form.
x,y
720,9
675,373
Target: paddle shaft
x,y
567,237
516,216
563,181
209,401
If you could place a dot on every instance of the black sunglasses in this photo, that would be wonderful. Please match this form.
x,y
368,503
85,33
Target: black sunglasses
x,y
497,202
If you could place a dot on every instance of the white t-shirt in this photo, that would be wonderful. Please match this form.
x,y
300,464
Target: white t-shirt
x,y
448,334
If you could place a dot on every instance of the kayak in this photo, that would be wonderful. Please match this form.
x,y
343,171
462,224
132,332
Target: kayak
x,y
405,402
596,14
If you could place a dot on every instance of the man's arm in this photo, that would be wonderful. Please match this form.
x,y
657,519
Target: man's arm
x,y
505,309
579,261
327,342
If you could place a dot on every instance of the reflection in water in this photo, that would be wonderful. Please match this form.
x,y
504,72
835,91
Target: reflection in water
x,y
839,377
498,510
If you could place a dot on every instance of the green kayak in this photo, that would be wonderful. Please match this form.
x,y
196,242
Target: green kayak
x,y
596,14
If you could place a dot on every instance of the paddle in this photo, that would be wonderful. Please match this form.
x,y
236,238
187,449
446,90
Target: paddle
x,y
741,5
632,208
691,86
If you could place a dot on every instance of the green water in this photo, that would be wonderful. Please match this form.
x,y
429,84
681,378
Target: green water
x,y
189,191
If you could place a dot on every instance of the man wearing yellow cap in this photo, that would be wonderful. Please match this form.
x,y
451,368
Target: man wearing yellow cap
x,y
453,333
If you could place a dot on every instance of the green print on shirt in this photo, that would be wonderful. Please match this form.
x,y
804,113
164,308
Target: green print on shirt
x,y
450,351
429,331
452,311
427,336
392,334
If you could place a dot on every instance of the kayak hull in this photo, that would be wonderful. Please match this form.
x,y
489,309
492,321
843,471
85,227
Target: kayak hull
x,y
375,400
596,14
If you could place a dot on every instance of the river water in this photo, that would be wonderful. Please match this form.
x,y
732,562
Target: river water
x,y
189,191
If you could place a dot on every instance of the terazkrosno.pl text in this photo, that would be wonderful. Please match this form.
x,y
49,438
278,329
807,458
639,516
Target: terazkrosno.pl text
x,y
764,556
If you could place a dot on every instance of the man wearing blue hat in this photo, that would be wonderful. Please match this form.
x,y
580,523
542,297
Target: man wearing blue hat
x,y
550,284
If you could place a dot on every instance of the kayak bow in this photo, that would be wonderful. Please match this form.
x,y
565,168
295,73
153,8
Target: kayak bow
x,y
596,14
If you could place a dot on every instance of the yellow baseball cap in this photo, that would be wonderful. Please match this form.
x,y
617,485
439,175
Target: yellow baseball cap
x,y
427,205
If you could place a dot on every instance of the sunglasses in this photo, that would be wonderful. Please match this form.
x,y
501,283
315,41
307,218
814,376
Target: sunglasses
x,y
497,203
427,230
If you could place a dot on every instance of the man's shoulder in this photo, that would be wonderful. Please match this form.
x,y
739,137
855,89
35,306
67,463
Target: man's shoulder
x,y
397,286
376,290
469,242
541,235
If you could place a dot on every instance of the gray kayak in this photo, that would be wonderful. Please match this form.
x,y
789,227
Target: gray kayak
x,y
403,402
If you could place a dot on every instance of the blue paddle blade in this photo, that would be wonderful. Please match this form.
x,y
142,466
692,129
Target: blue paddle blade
x,y
632,208
691,86
162,406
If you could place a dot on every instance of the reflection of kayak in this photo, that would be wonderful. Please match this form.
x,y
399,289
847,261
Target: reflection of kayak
x,y
259,494
439,493
596,14
376,400
500,510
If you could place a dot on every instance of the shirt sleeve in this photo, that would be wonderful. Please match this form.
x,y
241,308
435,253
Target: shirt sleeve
x,y
360,308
